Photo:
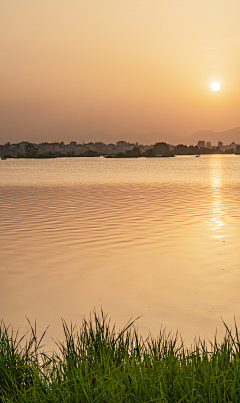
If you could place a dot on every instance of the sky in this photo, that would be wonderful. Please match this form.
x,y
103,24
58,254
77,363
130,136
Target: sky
x,y
117,67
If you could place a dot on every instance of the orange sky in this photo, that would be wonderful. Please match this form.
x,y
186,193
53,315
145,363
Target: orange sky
x,y
73,67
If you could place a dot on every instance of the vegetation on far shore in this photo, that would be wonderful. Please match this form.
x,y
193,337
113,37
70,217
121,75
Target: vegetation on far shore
x,y
98,364
158,150
33,153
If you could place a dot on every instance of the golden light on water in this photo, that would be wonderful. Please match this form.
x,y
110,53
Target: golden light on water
x,y
217,207
66,238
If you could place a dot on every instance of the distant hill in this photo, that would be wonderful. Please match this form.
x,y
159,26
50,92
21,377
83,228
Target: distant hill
x,y
227,137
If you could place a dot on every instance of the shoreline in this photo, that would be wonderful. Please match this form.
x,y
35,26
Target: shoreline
x,y
39,157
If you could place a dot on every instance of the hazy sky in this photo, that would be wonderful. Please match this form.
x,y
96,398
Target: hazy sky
x,y
72,67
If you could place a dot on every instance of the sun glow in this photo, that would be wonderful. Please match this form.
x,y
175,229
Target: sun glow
x,y
215,86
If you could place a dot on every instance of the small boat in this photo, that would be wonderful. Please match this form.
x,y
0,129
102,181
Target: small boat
x,y
197,155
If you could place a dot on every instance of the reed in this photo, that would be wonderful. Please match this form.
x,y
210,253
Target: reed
x,y
98,364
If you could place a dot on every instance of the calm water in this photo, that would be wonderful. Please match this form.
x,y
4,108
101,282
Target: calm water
x,y
153,237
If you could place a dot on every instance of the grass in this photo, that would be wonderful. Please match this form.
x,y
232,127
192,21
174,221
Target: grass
x,y
98,364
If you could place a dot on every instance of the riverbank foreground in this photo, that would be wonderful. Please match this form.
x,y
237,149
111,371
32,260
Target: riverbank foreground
x,y
99,364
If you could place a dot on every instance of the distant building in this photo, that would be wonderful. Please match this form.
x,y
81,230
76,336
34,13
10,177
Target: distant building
x,y
80,148
121,144
208,144
72,146
14,148
201,144
23,144
124,146
43,147
99,146
111,146
231,146
54,147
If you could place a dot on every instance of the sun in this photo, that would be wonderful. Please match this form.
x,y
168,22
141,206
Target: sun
x,y
215,86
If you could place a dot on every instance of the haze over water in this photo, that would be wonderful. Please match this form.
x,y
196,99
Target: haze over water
x,y
156,237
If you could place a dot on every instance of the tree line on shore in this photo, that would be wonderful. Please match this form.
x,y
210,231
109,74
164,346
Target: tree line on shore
x,y
159,149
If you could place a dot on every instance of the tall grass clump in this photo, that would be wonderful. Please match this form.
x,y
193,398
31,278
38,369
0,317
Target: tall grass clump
x,y
98,364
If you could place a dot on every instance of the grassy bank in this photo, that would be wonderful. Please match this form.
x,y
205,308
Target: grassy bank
x,y
98,364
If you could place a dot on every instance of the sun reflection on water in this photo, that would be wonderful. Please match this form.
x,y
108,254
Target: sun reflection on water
x,y
218,213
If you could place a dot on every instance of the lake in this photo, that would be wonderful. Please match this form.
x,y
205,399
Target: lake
x,y
152,237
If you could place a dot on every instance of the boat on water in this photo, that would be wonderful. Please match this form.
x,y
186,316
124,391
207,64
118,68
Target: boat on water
x,y
197,155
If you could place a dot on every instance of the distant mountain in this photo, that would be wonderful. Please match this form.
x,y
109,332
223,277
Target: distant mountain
x,y
227,137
